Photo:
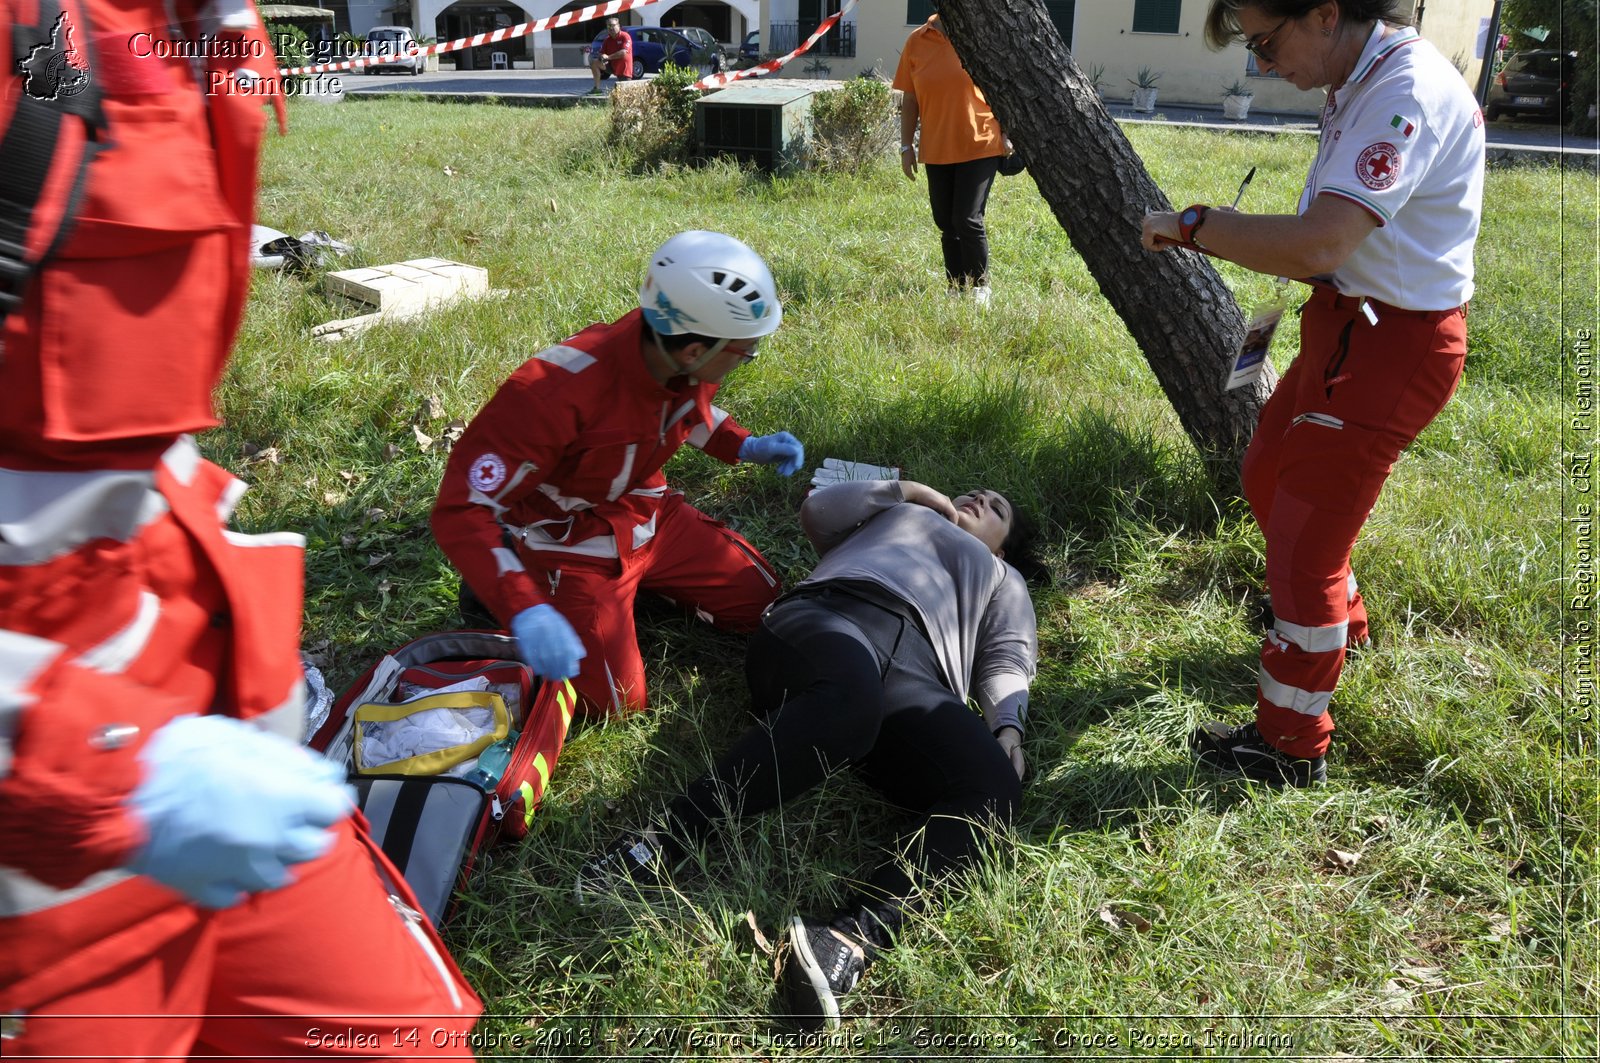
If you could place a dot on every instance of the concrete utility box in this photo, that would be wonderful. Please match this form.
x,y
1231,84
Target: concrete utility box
x,y
766,122
412,285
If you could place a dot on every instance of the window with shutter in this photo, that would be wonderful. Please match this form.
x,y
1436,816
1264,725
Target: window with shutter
x,y
1156,16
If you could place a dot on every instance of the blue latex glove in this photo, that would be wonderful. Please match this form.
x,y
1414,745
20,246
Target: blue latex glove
x,y
228,809
780,447
547,642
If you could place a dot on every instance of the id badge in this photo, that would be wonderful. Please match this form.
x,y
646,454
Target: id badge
x,y
1251,361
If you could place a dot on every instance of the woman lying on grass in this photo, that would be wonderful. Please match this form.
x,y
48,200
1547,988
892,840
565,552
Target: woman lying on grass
x,y
869,662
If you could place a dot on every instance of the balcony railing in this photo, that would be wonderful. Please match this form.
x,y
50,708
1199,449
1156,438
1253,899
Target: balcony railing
x,y
840,41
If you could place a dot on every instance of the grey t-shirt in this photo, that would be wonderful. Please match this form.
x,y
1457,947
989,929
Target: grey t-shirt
x,y
974,606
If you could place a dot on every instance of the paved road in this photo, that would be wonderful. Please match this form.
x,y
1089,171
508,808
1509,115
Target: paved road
x,y
569,87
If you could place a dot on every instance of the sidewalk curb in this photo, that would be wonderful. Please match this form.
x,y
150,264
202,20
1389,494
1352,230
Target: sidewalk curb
x,y
1263,123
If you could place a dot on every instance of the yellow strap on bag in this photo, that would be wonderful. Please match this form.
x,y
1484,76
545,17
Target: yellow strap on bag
x,y
439,760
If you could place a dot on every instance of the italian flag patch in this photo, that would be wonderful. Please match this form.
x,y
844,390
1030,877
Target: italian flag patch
x,y
1405,125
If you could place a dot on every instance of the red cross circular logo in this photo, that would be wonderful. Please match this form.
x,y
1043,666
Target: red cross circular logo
x,y
488,472
1378,165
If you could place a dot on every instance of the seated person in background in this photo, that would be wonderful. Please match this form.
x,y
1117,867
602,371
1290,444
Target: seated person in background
x,y
614,57
869,662
554,507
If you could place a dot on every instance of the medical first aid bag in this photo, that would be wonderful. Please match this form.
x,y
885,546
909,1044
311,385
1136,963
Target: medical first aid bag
x,y
449,741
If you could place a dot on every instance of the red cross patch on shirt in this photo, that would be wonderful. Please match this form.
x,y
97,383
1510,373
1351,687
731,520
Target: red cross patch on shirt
x,y
1378,165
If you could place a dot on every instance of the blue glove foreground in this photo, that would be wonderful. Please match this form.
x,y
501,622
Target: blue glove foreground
x,y
780,447
547,642
228,809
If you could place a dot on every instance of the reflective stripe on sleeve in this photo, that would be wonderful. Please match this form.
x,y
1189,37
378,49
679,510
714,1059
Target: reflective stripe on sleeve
x,y
702,434
44,515
569,358
116,653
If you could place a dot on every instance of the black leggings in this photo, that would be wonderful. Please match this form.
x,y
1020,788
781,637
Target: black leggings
x,y
959,193
844,681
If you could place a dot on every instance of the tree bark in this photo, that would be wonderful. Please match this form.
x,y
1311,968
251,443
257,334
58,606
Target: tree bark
x,y
1175,305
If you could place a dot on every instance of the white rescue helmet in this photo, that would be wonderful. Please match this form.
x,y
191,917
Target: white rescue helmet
x,y
709,284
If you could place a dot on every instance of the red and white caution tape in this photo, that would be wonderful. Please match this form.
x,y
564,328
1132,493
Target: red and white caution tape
x,y
716,81
521,29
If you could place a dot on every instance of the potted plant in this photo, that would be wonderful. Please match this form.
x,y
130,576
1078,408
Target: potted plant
x,y
1236,101
1144,89
1097,78
433,60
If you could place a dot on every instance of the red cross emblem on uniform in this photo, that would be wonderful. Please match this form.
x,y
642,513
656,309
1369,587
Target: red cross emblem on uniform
x,y
488,472
1378,165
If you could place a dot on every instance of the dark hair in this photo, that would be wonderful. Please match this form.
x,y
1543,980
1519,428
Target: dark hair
x,y
680,341
1222,21
1019,543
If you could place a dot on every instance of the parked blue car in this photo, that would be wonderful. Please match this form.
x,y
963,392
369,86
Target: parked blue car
x,y
653,46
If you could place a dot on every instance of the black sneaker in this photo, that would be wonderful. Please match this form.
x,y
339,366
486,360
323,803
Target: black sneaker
x,y
629,865
824,964
1243,751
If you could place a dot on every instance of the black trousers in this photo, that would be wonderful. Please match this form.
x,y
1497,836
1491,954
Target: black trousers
x,y
959,194
843,681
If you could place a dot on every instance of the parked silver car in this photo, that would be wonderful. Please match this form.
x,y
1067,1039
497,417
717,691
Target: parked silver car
x,y
394,46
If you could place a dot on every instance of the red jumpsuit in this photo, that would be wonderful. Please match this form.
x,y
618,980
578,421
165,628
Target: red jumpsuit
x,y
555,495
125,601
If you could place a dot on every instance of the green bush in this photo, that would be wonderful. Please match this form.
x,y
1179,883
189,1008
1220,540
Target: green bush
x,y
653,124
291,44
852,126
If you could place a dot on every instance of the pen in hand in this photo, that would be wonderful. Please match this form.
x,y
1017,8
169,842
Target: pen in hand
x,y
1242,186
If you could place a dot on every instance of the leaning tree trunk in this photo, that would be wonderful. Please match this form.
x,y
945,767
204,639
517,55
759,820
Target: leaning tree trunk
x,y
1180,313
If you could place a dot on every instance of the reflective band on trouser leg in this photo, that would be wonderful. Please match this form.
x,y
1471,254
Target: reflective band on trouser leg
x,y
1290,717
1356,607
1308,552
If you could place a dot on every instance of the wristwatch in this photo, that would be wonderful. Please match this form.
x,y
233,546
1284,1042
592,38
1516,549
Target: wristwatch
x,y
907,147
1189,223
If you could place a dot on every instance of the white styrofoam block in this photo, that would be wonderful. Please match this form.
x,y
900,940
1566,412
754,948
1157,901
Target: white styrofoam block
x,y
414,283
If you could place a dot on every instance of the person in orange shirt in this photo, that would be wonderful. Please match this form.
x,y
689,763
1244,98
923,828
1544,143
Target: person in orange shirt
x,y
961,146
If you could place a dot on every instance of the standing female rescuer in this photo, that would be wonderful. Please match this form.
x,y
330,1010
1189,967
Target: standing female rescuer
x,y
554,506
1384,235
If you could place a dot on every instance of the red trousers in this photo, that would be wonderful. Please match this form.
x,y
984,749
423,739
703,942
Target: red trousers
x,y
324,968
695,561
1353,399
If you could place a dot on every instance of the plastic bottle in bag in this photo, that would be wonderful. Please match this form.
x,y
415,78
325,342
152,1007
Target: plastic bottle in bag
x,y
492,763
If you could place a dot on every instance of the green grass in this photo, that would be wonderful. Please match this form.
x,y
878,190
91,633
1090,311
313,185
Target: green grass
x,y
1468,926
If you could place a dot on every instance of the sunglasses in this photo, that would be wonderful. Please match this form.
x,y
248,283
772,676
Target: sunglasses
x,y
746,354
1259,48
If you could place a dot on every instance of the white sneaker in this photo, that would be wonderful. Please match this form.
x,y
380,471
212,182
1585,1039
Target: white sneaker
x,y
981,296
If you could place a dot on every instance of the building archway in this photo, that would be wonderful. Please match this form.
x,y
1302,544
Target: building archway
x,y
447,20
727,20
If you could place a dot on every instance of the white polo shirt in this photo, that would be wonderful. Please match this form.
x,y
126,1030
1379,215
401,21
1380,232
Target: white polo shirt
x,y
1403,138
